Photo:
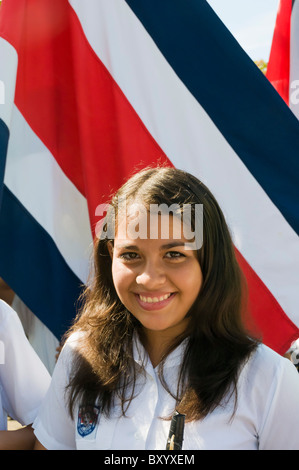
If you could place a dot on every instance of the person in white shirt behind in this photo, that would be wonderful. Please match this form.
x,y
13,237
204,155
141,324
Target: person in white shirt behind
x,y
161,332
43,341
293,353
24,381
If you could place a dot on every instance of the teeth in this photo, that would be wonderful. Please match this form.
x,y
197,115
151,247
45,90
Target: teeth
x,y
154,299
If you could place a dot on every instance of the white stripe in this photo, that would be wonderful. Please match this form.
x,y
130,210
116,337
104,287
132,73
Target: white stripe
x,y
35,178
192,142
8,73
294,61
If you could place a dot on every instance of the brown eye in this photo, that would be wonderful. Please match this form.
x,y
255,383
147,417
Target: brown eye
x,y
129,256
174,255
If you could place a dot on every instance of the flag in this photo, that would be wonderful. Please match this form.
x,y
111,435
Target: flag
x,y
105,87
278,69
283,66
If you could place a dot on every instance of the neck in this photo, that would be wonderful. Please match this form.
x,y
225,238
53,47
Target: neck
x,y
156,344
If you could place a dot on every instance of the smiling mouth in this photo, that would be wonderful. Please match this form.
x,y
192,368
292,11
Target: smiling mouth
x,y
153,300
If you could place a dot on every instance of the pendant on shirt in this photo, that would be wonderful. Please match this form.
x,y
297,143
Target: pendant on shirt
x,y
87,420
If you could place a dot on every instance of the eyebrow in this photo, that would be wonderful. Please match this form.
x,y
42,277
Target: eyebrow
x,y
167,246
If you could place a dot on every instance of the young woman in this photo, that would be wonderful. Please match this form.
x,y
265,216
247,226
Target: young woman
x,y
162,331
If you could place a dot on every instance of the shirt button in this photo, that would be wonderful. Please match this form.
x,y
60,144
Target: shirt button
x,y
137,435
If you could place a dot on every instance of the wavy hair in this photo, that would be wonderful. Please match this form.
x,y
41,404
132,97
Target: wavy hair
x,y
217,340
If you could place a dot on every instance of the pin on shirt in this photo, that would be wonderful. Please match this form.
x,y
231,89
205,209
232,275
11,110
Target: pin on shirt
x,y
176,432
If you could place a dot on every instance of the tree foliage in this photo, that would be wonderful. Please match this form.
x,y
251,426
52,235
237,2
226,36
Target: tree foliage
x,y
262,65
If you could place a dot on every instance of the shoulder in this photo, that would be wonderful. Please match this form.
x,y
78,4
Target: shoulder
x,y
265,356
71,349
267,378
74,342
5,310
9,320
266,372
270,390
266,362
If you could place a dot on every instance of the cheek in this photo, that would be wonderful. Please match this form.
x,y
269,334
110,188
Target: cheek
x,y
116,274
192,281
122,278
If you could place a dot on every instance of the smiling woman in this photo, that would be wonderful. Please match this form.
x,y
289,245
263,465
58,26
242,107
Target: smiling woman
x,y
161,333
157,280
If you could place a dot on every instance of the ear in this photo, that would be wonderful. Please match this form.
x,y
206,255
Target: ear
x,y
110,248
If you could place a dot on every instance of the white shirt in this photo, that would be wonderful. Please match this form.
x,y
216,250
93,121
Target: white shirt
x,y
24,379
267,416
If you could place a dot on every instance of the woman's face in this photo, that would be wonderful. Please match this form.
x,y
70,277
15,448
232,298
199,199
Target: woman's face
x,y
156,278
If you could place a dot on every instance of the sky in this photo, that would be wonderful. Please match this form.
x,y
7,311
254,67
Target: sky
x,y
251,22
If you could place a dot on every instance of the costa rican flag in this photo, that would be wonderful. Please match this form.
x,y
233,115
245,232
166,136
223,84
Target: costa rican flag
x,y
95,89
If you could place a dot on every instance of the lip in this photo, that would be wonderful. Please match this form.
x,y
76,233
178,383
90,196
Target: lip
x,y
157,305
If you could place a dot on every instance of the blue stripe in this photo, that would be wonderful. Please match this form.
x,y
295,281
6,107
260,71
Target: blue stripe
x,y
32,265
236,95
4,134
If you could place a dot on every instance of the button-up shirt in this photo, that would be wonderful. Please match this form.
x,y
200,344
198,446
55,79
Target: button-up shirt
x,y
266,417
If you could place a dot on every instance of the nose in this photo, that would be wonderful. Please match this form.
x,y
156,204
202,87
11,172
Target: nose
x,y
151,276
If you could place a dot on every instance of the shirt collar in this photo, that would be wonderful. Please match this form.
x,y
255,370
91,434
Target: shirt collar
x,y
141,357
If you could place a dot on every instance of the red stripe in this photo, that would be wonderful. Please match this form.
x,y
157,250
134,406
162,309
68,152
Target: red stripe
x,y
75,107
269,320
72,103
278,70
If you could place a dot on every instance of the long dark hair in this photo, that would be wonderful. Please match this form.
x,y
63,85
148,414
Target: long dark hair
x,y
217,341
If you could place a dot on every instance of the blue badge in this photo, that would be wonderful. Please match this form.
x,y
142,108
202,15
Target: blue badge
x,y
87,420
